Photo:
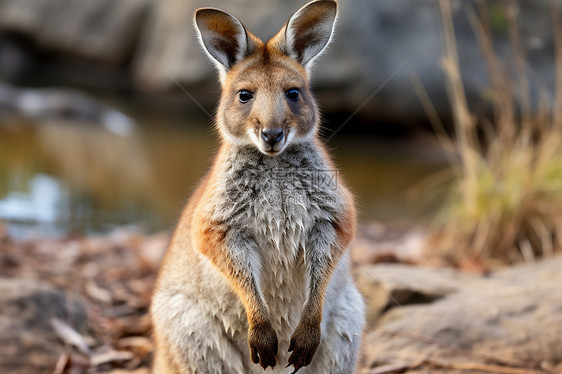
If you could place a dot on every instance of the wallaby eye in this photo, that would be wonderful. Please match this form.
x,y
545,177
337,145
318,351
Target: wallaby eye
x,y
244,96
293,94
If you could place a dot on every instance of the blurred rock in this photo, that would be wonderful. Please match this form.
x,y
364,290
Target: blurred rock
x,y
378,47
448,320
394,285
374,41
29,342
40,105
103,30
376,242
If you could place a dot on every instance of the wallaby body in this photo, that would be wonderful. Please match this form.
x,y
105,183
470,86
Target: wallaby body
x,y
257,265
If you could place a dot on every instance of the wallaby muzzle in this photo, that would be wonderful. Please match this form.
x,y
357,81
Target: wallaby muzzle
x,y
272,140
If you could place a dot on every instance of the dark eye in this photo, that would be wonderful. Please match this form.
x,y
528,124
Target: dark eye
x,y
293,94
244,96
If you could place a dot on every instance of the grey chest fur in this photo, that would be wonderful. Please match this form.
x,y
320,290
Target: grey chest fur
x,y
277,200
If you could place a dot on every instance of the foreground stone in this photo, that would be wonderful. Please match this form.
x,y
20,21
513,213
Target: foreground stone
x,y
29,342
446,321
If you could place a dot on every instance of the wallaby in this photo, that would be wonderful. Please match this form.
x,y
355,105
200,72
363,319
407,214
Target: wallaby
x,y
257,270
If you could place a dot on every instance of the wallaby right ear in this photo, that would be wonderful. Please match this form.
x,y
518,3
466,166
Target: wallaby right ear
x,y
223,37
308,31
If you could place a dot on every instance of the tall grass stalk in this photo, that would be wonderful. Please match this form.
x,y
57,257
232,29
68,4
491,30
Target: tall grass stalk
x,y
505,202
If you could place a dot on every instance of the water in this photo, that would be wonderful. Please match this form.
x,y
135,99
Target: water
x,y
62,177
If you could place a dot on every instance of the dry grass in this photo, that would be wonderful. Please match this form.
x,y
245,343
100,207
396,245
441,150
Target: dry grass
x,y
505,202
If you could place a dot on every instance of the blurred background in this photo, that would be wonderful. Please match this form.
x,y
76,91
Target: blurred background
x,y
105,105
444,117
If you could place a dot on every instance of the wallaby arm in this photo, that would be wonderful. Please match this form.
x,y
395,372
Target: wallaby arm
x,y
322,253
231,250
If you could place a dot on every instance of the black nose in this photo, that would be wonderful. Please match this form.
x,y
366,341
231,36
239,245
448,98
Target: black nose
x,y
272,136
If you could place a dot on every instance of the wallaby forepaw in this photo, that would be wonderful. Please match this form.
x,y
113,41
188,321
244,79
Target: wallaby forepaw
x,y
262,341
303,345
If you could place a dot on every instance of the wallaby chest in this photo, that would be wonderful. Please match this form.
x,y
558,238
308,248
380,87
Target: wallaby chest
x,y
278,201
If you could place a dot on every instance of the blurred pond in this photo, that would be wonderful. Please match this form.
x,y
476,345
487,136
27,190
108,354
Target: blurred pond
x,y
63,177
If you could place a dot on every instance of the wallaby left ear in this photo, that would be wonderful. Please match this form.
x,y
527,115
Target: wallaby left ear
x,y
223,37
309,31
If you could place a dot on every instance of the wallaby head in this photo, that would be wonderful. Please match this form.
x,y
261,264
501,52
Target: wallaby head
x,y
266,97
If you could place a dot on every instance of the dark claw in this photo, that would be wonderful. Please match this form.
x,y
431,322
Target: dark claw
x,y
299,361
254,356
296,369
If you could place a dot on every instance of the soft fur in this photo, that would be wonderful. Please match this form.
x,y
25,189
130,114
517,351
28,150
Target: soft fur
x,y
257,265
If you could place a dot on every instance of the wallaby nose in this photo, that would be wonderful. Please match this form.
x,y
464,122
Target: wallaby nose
x,y
272,136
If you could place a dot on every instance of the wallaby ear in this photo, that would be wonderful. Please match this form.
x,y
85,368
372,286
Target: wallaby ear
x,y
309,30
223,37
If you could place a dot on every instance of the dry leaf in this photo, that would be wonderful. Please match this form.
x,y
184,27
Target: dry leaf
x,y
96,292
110,356
69,336
62,362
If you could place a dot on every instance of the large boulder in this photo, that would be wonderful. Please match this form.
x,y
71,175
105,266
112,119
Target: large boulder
x,y
448,321
101,30
378,47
